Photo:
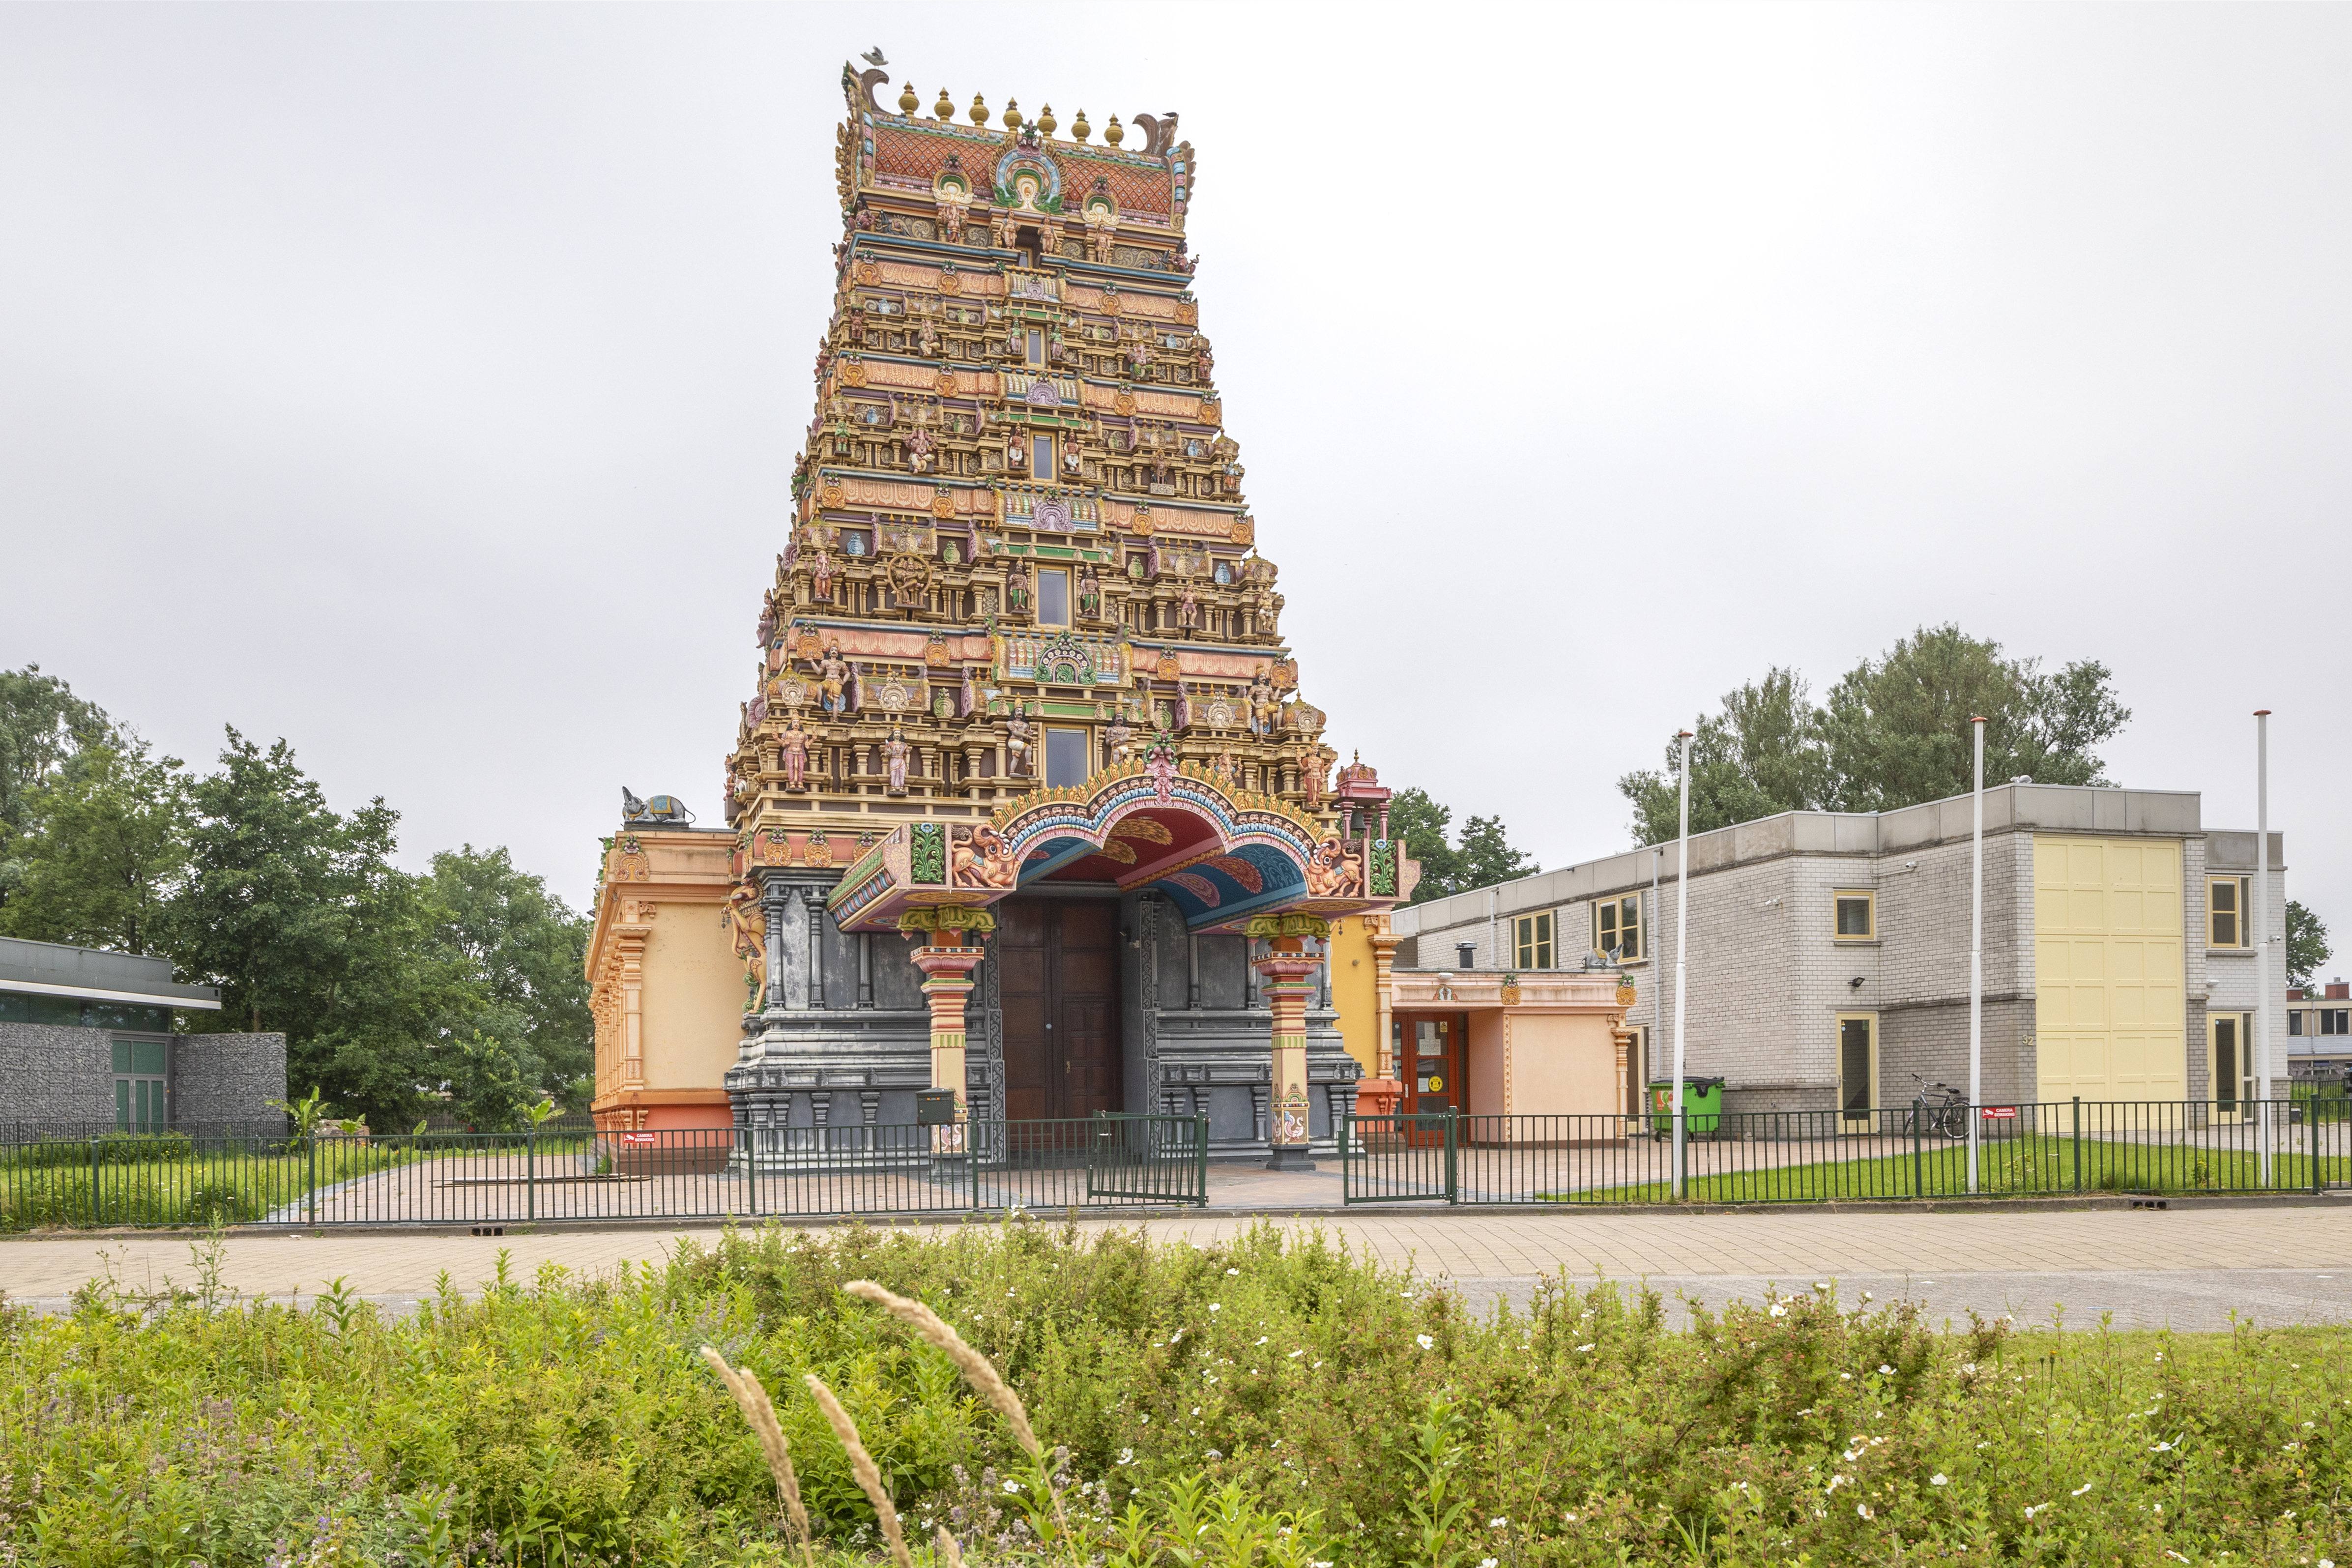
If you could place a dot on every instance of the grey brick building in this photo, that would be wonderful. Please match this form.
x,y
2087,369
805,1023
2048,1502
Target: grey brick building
x,y
86,1045
1829,951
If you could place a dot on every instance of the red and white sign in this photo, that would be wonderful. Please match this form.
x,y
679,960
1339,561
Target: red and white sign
x,y
636,1137
2000,1113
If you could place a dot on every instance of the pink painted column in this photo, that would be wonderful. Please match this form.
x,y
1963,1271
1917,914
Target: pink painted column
x,y
947,986
1288,971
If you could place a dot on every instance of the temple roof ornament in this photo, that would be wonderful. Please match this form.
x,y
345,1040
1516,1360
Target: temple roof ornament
x,y
1019,545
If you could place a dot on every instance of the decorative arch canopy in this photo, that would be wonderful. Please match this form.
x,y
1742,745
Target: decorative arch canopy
x,y
1221,857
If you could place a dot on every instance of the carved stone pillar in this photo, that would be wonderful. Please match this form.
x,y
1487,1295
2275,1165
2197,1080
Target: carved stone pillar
x,y
947,985
788,945
1288,980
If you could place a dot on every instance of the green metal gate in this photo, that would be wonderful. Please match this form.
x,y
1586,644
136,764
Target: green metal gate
x,y
1164,1158
1400,1159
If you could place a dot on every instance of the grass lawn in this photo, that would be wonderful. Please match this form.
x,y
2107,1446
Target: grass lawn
x,y
170,1180
1263,1402
2006,1167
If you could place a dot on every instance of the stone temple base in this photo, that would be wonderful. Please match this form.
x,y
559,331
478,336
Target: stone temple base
x,y
1290,1157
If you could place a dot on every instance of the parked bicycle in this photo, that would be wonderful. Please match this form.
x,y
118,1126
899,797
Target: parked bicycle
x,y
1938,1110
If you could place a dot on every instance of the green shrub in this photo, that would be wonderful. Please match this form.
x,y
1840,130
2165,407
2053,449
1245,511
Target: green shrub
x,y
1214,1397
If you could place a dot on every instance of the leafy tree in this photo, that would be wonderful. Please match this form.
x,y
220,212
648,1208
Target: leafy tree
x,y
42,724
490,1083
1898,733
106,849
1760,756
520,951
2306,945
1422,824
1895,731
1480,857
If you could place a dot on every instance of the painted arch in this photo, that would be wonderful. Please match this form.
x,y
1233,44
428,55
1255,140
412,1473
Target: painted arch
x,y
1221,857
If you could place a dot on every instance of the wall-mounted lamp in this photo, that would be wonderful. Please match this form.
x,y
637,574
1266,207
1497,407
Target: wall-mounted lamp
x,y
1854,983
1910,865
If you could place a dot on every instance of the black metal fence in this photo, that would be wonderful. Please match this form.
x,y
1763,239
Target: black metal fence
x,y
1921,1150
502,1179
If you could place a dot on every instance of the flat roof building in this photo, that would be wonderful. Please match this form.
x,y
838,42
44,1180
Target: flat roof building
x,y
1828,958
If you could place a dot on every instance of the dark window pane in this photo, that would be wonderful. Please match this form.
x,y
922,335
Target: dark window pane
x,y
1853,1064
1065,758
1853,917
1053,598
147,1056
15,1009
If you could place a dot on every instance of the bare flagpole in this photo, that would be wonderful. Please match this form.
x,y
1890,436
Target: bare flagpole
x,y
1682,945
2257,929
1976,969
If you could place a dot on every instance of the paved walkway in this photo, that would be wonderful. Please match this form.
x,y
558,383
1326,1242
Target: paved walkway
x,y
2187,1268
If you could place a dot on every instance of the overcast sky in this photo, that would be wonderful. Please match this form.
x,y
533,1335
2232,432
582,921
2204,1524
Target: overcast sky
x,y
421,383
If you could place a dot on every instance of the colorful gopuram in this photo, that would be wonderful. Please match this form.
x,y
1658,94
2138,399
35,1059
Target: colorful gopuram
x,y
1025,801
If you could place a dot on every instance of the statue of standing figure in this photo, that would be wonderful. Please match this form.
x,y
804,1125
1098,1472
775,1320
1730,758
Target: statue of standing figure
x,y
1262,703
1187,610
894,753
833,670
1089,593
971,697
821,580
795,757
1019,761
1017,595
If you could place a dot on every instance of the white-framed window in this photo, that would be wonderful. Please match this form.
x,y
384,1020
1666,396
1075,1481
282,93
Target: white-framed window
x,y
1857,914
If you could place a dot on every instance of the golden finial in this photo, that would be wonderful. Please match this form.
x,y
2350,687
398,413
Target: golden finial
x,y
1045,121
1112,133
908,101
945,107
1013,114
978,109
1079,128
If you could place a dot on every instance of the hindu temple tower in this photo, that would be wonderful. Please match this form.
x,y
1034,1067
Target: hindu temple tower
x,y
1024,799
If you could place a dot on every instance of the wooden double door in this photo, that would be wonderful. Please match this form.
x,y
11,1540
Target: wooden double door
x,y
1059,988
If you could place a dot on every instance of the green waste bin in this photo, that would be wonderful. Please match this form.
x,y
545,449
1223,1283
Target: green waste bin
x,y
1702,1104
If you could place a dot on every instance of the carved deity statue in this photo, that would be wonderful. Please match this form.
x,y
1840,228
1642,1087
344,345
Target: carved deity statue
x,y
918,450
1071,461
833,670
1019,761
1017,593
1119,738
1224,770
747,924
1314,762
1089,592
970,698
1187,610
821,578
894,754
1016,451
795,755
1262,703
927,340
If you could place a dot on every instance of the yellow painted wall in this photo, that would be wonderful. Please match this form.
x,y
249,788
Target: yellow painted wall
x,y
1487,1065
2112,1009
1562,1064
693,1000
1353,991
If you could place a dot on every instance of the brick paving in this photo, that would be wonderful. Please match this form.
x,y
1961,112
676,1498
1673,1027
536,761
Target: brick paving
x,y
2186,1266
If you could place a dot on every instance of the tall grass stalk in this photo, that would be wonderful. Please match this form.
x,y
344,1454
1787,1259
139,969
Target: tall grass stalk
x,y
862,1466
761,1416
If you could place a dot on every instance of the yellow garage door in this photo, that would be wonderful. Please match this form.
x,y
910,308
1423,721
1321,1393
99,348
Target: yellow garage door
x,y
2112,1019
